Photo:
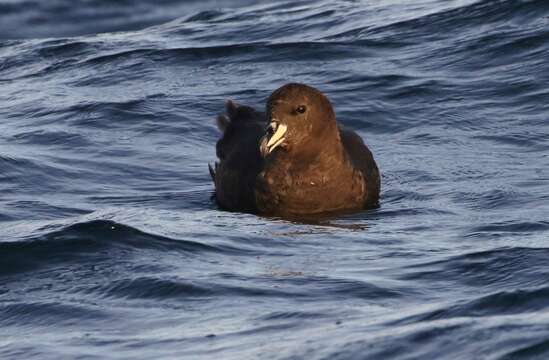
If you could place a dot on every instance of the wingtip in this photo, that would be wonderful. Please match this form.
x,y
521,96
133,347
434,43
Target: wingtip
x,y
230,108
222,122
212,172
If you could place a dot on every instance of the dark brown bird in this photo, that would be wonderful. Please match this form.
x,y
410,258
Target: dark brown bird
x,y
294,160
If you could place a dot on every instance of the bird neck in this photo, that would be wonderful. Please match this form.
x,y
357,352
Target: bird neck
x,y
323,154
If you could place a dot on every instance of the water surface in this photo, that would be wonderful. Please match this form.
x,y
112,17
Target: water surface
x,y
110,244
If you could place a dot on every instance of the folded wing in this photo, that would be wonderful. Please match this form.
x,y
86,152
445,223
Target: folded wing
x,y
239,158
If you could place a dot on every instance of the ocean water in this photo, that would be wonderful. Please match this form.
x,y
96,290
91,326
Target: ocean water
x,y
111,246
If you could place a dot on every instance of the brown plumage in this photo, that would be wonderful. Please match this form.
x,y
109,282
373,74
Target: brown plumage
x,y
294,160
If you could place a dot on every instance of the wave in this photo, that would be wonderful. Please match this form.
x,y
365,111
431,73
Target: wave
x,y
450,96
535,350
89,240
61,139
459,19
504,268
47,314
129,60
295,286
32,19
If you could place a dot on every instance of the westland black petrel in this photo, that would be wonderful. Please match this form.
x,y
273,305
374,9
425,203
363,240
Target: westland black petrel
x,y
293,160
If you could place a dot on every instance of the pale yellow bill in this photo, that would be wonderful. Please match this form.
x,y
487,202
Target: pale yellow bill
x,y
278,136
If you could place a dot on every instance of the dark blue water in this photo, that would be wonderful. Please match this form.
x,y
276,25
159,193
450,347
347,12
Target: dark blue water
x,y
110,244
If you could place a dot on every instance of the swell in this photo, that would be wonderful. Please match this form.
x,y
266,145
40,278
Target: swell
x,y
91,241
505,302
61,139
137,59
500,199
293,287
491,270
39,19
62,55
31,174
437,25
99,260
537,349
47,314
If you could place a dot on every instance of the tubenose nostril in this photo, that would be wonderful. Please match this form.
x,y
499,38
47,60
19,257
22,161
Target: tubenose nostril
x,y
272,128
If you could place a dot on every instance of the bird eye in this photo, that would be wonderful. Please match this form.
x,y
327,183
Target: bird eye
x,y
301,109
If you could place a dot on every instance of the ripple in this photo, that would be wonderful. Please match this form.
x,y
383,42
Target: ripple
x,y
530,142
290,315
150,288
492,199
57,138
511,227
